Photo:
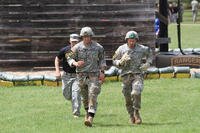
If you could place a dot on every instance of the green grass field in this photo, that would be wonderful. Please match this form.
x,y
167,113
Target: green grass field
x,y
168,106
189,32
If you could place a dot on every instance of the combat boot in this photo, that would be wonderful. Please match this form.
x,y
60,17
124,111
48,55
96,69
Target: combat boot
x,y
132,119
137,117
89,121
86,116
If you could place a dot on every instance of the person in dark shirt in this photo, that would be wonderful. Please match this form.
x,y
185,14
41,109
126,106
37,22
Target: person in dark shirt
x,y
70,86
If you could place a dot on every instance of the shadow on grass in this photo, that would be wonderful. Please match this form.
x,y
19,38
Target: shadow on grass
x,y
159,124
112,125
107,115
130,125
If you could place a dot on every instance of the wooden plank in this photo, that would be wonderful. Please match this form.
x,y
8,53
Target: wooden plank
x,y
107,31
84,14
75,8
79,23
26,63
28,55
116,38
80,20
99,7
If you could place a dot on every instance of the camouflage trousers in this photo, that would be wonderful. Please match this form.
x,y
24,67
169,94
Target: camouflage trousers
x,y
71,91
132,89
90,89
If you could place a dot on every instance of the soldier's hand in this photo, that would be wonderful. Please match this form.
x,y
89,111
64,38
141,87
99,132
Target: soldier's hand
x,y
101,77
79,63
125,58
145,66
58,75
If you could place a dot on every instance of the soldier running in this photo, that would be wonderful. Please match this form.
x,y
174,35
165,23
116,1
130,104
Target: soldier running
x,y
129,58
88,57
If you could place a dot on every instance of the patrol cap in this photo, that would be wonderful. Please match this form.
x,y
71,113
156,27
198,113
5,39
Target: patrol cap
x,y
132,35
86,31
74,37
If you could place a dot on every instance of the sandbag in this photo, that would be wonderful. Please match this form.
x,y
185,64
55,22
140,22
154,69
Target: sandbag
x,y
35,77
152,73
20,78
112,78
181,69
197,74
188,50
166,70
176,50
112,71
119,71
1,75
152,76
152,70
6,83
196,50
182,75
50,78
7,77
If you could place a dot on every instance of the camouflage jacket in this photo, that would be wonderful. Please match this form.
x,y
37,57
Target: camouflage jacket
x,y
137,55
92,55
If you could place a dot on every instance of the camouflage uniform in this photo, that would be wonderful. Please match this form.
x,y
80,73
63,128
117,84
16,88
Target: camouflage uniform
x,y
70,87
132,73
71,91
88,75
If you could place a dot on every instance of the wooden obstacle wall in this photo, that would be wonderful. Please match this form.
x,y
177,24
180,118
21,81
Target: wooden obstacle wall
x,y
33,31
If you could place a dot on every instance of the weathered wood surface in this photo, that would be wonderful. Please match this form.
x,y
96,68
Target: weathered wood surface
x,y
31,31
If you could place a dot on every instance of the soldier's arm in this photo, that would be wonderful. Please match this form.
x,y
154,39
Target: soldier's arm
x,y
58,58
149,54
149,58
116,58
71,58
102,60
57,66
102,64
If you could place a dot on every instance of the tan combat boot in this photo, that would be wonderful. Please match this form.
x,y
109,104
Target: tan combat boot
x,y
137,117
89,121
132,119
86,116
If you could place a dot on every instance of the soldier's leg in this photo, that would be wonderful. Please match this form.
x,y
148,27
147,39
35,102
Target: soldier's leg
x,y
137,100
66,86
127,95
84,92
82,83
137,87
129,106
76,99
94,90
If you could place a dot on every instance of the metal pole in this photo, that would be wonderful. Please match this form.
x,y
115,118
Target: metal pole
x,y
163,10
179,28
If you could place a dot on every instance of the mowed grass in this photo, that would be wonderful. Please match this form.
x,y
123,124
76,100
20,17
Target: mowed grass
x,y
168,106
189,36
187,17
189,32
